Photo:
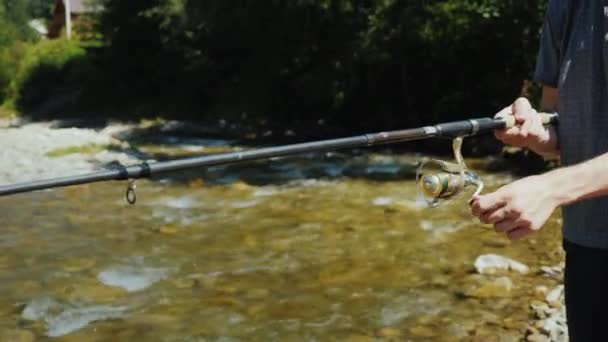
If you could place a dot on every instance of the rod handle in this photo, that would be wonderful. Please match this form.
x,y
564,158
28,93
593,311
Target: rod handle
x,y
546,119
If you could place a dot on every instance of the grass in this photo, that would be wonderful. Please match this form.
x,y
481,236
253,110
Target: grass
x,y
7,113
86,149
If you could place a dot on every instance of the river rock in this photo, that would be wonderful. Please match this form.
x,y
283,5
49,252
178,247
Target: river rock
x,y
538,338
493,264
553,271
555,297
540,291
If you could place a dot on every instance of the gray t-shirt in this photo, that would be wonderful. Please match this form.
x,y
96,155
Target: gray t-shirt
x,y
574,58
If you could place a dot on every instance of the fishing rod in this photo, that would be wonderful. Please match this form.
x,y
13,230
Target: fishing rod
x,y
436,179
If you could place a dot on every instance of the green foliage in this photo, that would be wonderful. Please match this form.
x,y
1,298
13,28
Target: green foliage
x,y
405,62
85,149
14,17
39,71
357,64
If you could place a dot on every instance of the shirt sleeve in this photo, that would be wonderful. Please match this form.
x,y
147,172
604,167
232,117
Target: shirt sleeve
x,y
548,63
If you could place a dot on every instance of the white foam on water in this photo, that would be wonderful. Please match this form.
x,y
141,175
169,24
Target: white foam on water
x,y
265,191
184,202
39,308
133,278
426,225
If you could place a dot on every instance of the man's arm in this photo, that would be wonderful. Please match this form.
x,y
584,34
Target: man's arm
x,y
579,182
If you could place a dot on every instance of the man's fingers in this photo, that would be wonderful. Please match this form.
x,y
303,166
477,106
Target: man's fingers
x,y
491,217
521,109
489,202
519,233
506,225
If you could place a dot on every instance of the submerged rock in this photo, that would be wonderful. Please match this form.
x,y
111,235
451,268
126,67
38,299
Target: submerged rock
x,y
62,319
133,278
493,264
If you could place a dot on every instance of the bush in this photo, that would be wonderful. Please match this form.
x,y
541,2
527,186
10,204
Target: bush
x,y
39,71
360,64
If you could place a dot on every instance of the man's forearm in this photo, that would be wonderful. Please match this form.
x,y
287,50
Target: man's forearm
x,y
578,182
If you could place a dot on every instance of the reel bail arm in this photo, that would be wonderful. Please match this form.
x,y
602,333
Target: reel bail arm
x,y
440,180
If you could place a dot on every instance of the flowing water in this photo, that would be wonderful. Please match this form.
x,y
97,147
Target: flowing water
x,y
328,247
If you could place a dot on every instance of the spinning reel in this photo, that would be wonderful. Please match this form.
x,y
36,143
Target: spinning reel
x,y
439,180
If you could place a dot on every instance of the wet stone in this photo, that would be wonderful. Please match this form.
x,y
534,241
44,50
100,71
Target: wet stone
x,y
538,338
494,264
540,291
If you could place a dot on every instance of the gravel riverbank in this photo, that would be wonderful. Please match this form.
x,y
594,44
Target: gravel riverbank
x,y
37,150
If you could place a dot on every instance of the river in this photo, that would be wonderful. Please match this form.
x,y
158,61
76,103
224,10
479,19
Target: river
x,y
329,247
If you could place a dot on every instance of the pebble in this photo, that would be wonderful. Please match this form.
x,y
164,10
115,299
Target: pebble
x,y
538,338
555,297
493,264
541,291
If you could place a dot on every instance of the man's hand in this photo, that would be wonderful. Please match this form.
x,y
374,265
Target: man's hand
x,y
528,131
517,209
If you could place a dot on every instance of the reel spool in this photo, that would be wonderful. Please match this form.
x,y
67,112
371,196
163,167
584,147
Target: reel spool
x,y
440,180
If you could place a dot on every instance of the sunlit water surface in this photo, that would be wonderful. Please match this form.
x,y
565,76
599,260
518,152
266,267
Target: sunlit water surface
x,y
317,248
